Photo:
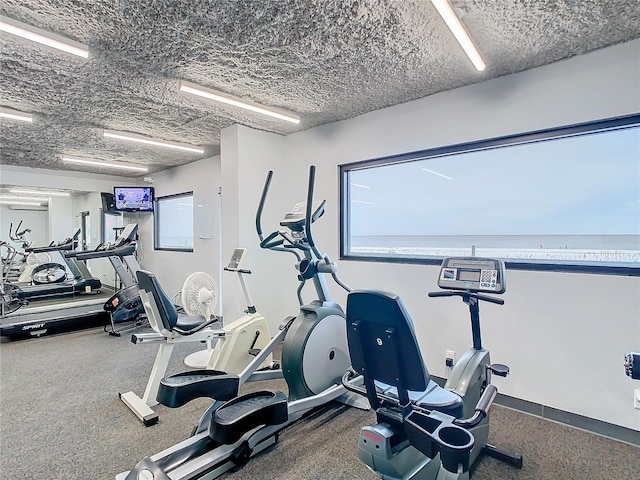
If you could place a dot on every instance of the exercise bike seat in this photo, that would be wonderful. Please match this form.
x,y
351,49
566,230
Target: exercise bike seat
x,y
433,398
188,322
383,347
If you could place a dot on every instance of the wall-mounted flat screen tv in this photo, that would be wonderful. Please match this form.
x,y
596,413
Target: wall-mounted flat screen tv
x,y
133,199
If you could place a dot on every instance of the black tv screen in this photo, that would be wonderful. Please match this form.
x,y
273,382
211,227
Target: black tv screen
x,y
133,199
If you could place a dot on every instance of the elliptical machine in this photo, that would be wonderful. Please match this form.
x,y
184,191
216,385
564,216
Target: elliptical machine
x,y
314,358
424,431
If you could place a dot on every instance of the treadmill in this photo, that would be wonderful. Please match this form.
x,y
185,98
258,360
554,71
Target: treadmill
x,y
53,314
125,304
80,282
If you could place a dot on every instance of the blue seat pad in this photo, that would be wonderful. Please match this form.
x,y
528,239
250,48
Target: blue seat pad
x,y
433,398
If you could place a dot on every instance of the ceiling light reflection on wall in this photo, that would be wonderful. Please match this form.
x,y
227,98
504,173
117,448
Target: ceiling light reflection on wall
x,y
98,163
227,99
460,32
130,137
436,173
39,192
15,115
43,37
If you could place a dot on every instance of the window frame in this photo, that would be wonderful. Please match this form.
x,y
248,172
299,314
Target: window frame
x,y
156,223
587,128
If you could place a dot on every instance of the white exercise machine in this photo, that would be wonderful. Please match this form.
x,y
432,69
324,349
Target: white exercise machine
x,y
234,346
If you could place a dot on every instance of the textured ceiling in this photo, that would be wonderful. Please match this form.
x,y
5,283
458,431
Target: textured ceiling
x,y
326,60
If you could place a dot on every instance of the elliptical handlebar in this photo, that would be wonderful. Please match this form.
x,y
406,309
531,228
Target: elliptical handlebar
x,y
302,241
307,220
263,198
268,242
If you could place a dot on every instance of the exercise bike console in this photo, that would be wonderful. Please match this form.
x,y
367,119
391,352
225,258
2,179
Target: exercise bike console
x,y
472,273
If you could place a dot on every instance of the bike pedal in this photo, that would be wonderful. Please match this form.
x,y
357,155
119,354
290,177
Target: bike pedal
x,y
499,369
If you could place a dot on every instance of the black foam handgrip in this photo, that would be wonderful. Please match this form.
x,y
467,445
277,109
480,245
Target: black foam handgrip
x,y
632,365
487,399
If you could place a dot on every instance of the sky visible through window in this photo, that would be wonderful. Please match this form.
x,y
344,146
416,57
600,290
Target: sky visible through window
x,y
574,192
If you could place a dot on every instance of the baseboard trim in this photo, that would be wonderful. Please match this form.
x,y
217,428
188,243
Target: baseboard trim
x,y
598,427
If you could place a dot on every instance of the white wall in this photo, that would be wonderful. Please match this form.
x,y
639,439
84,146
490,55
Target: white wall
x,y
564,335
36,220
247,155
172,268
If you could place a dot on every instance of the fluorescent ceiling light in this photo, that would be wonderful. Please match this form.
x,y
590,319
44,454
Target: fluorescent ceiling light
x,y
130,137
18,197
221,97
45,38
15,115
26,204
436,173
361,186
39,192
103,164
460,32
363,202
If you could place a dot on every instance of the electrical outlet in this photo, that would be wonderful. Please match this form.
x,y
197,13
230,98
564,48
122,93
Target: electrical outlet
x,y
636,398
450,358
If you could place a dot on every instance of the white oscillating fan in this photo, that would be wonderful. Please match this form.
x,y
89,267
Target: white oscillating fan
x,y
33,260
200,297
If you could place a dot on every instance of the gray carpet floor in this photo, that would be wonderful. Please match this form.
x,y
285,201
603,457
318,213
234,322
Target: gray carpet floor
x,y
61,418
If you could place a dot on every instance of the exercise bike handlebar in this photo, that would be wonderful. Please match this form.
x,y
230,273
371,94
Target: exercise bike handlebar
x,y
467,294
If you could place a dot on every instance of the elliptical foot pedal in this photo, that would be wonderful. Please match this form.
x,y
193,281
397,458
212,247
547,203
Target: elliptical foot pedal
x,y
176,390
236,417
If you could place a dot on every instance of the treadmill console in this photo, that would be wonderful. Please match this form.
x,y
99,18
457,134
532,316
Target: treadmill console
x,y
295,219
128,234
236,259
472,273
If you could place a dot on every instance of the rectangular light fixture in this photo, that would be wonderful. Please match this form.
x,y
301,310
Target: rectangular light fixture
x,y
26,204
22,191
130,137
15,115
460,32
360,186
227,99
43,37
23,198
98,163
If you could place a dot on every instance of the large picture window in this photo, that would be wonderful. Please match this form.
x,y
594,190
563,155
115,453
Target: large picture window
x,y
562,199
174,222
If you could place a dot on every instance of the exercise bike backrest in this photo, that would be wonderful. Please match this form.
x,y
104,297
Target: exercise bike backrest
x,y
164,317
383,345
